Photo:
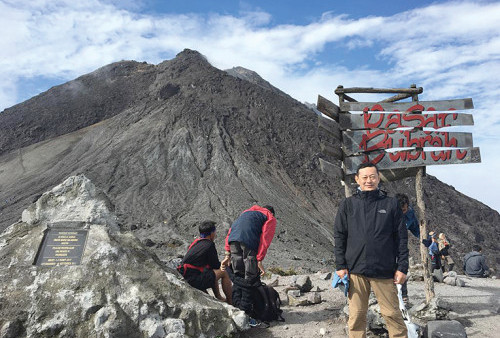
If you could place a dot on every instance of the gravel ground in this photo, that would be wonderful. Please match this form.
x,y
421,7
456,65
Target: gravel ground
x,y
477,307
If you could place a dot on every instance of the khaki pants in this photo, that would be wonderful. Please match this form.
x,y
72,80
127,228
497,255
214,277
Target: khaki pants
x,y
387,297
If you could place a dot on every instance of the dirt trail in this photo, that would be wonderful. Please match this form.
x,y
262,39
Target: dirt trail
x,y
477,306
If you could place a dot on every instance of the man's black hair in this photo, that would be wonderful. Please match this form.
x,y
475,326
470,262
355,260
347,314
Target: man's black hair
x,y
476,247
270,208
402,199
206,228
366,165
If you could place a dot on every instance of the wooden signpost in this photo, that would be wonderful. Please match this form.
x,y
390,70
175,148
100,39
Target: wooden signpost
x,y
396,136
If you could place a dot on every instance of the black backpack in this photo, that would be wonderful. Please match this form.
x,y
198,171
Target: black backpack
x,y
266,304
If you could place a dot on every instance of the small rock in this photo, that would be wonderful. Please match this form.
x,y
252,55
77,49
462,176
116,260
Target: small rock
x,y
450,281
294,293
304,283
316,289
326,276
322,331
148,242
296,301
438,275
241,320
314,297
274,281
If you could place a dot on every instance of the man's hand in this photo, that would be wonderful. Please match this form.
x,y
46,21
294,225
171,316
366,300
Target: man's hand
x,y
342,273
261,268
399,278
225,263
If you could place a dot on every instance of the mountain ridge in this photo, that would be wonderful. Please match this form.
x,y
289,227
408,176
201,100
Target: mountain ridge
x,y
193,143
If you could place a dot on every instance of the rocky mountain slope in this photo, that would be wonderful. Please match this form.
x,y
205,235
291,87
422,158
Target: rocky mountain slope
x,y
180,142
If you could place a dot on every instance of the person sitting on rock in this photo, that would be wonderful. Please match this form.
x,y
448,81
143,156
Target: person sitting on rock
x,y
475,263
201,266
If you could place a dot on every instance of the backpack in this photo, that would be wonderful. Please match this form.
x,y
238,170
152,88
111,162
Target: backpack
x,y
266,303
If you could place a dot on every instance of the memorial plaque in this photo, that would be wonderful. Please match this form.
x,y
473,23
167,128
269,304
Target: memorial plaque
x,y
62,247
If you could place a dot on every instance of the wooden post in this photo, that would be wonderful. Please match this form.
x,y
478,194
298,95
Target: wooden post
x,y
419,189
345,179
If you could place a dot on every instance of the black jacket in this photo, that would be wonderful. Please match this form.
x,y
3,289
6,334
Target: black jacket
x,y
370,235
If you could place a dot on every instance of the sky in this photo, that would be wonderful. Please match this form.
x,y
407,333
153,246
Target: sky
x,y
305,48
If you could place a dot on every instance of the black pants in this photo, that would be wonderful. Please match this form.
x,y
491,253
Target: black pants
x,y
244,262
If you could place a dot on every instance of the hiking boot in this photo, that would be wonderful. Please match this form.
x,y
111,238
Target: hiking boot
x,y
253,322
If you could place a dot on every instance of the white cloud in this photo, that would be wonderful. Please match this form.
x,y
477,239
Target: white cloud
x,y
451,49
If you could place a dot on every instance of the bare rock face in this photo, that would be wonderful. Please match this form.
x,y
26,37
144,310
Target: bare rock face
x,y
118,290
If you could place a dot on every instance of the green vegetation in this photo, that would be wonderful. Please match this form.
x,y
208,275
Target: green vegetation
x,y
281,272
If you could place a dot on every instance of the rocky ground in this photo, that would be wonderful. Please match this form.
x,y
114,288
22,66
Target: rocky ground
x,y
476,306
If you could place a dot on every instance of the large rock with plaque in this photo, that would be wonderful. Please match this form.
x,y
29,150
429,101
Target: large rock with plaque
x,y
67,270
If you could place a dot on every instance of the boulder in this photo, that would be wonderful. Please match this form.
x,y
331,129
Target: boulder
x,y
294,300
114,287
436,309
314,297
450,281
303,282
444,328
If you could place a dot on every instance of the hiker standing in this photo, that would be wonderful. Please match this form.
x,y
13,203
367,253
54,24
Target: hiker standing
x,y
412,225
434,252
444,247
201,267
246,246
371,247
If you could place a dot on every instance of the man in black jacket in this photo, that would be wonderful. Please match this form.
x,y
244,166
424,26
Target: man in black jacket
x,y
371,246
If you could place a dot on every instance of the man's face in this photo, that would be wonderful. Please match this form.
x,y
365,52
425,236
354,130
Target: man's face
x,y
404,208
368,179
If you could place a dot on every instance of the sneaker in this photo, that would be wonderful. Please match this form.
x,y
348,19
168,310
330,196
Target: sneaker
x,y
253,322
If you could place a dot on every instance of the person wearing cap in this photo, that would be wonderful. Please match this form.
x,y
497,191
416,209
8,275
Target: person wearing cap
x,y
371,247
201,267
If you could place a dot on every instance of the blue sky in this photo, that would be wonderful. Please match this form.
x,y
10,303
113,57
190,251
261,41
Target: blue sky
x,y
305,48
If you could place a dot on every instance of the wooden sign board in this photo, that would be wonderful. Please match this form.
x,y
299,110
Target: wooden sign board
x,y
414,158
61,247
370,140
331,169
444,105
328,108
330,126
399,120
397,174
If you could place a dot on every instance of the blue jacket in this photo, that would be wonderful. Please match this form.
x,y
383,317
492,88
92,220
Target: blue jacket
x,y
412,222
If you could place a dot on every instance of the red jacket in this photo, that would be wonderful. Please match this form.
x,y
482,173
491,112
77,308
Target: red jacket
x,y
255,228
